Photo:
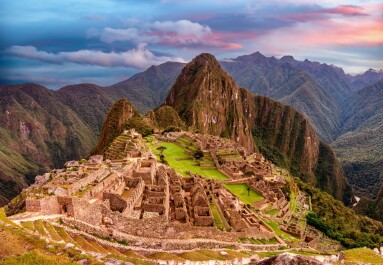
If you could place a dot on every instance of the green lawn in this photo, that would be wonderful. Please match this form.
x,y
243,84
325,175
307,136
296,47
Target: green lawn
x,y
362,255
273,212
240,190
174,151
217,217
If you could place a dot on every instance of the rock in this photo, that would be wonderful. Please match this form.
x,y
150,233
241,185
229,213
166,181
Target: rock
x,y
60,192
377,251
170,231
69,245
113,262
289,259
107,220
223,253
84,262
381,251
42,179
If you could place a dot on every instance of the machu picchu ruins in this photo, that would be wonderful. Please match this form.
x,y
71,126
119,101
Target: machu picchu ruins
x,y
128,195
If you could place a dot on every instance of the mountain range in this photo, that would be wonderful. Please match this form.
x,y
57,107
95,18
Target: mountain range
x,y
332,101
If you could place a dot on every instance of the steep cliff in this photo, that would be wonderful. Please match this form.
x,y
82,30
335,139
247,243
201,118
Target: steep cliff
x,y
209,101
37,132
115,123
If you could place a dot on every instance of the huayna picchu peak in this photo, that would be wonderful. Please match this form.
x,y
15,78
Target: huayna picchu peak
x,y
209,101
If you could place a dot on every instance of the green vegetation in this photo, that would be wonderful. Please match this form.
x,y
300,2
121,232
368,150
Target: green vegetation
x,y
273,212
204,254
52,232
217,217
258,241
241,191
361,255
341,223
38,258
139,124
181,162
40,228
28,225
165,256
4,218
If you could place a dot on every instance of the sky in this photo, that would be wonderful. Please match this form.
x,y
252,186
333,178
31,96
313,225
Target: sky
x,y
57,43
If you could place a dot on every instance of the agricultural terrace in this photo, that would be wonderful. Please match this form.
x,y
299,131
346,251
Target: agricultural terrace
x,y
182,162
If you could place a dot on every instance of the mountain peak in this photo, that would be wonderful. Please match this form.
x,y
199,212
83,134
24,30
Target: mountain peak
x,y
204,95
288,58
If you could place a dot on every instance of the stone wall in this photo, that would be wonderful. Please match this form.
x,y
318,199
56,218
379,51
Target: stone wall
x,y
86,212
32,205
50,205
134,196
116,202
82,183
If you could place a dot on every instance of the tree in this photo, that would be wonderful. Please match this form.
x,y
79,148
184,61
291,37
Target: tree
x,y
161,149
198,154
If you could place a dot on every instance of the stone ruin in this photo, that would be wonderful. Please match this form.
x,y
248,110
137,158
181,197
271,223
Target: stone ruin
x,y
128,192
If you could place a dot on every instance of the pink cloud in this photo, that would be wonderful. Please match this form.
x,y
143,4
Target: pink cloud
x,y
332,33
324,14
178,33
346,10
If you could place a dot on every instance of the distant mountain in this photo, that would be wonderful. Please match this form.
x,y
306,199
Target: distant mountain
x,y
367,78
209,101
37,133
360,147
147,90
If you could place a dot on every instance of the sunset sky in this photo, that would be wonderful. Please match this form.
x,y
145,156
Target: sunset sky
x,y
55,43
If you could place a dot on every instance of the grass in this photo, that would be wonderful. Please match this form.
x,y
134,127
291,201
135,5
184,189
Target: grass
x,y
275,227
173,152
52,232
217,217
240,191
40,228
64,235
273,212
37,258
362,255
4,218
204,254
165,256
258,241
84,244
28,225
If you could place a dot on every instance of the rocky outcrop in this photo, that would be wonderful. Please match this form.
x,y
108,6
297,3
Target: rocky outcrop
x,y
289,259
164,118
209,101
115,123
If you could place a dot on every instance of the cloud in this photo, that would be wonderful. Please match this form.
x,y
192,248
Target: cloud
x,y
139,58
110,35
183,28
346,10
172,33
